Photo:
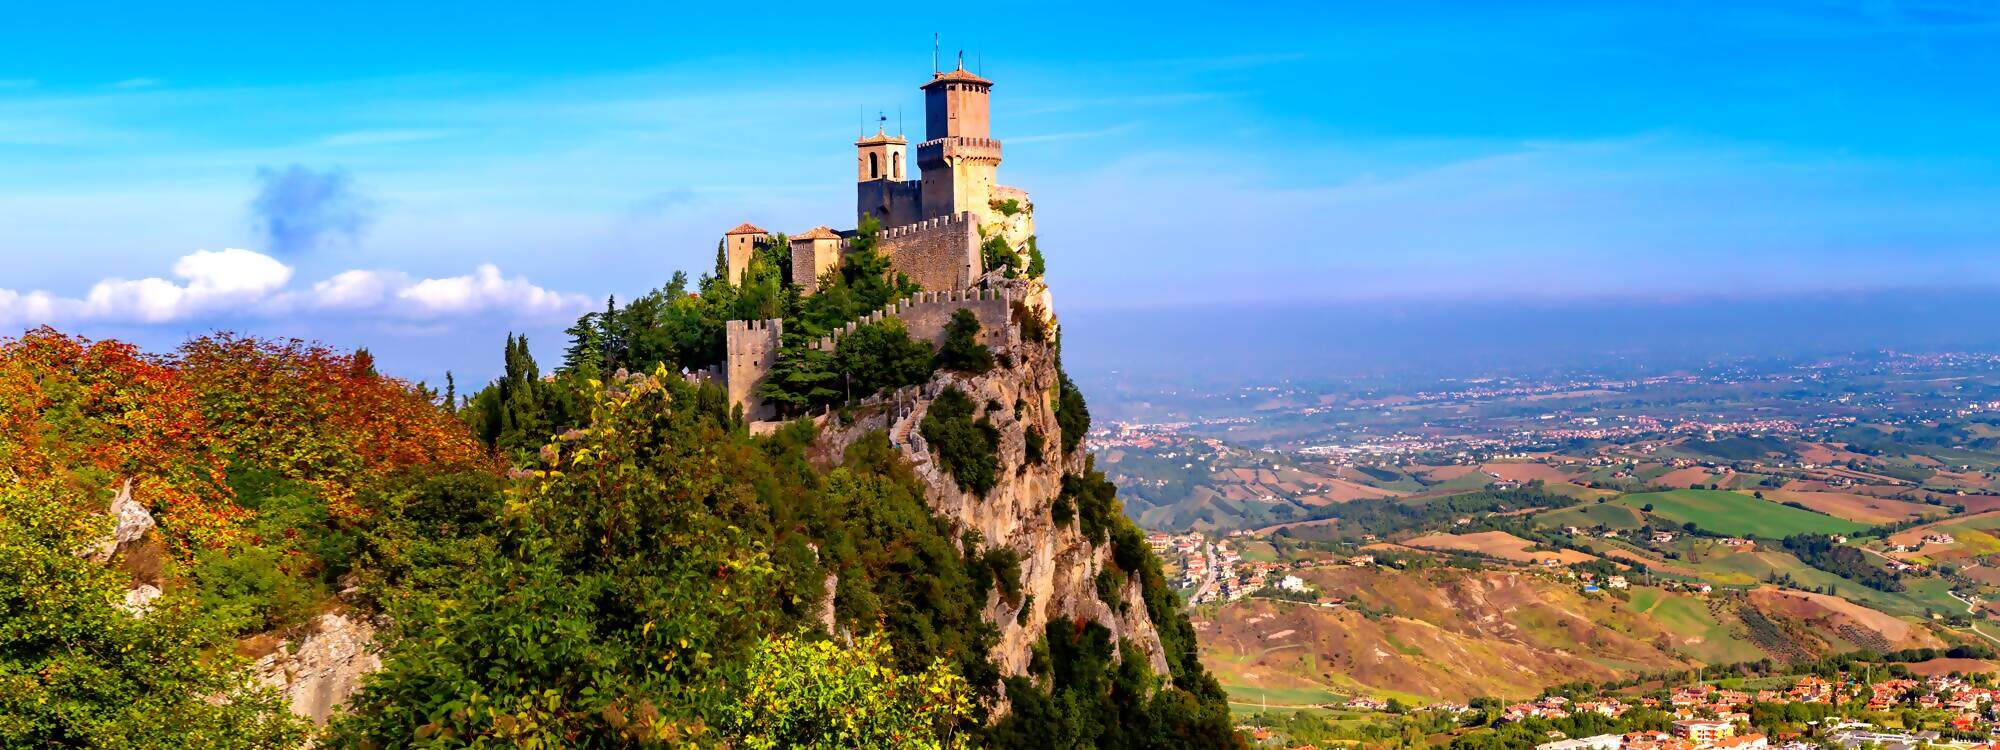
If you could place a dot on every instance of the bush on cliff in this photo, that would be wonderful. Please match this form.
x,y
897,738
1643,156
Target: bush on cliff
x,y
968,448
881,356
962,351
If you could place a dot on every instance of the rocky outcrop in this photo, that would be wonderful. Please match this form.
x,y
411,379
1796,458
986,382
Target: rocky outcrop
x,y
132,521
318,672
1059,566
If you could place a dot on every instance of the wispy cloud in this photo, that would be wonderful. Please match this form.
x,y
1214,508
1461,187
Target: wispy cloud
x,y
383,137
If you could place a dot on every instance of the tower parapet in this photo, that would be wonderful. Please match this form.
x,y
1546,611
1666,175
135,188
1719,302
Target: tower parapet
x,y
959,158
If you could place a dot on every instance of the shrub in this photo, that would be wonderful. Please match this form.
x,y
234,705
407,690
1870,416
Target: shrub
x,y
1031,444
881,356
968,448
995,254
1072,414
1109,580
962,350
819,694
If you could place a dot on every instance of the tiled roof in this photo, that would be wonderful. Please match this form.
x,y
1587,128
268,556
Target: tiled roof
x,y
821,232
956,75
745,228
881,136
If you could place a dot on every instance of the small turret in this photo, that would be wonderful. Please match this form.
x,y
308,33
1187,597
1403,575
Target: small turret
x,y
738,246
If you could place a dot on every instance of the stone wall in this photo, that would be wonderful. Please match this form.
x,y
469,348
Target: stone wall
x,y
892,202
752,348
927,314
939,254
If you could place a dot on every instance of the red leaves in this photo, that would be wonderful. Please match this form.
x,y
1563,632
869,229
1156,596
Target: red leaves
x,y
94,412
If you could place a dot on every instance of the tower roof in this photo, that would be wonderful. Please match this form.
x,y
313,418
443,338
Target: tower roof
x,y
880,137
745,228
955,76
821,232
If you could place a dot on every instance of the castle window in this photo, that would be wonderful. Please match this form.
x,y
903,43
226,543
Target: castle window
x,y
896,165
874,169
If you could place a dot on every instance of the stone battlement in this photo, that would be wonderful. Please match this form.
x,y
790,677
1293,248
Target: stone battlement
x,y
925,315
939,254
938,150
939,224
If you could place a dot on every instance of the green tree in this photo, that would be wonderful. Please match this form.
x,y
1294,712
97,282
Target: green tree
x,y
616,610
881,356
76,670
968,447
962,350
806,693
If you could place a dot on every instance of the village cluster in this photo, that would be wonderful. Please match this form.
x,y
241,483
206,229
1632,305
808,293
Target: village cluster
x,y
1711,718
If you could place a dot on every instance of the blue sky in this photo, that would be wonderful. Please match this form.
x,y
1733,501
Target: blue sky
x,y
423,177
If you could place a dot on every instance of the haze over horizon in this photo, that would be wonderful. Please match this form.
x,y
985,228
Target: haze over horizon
x,y
421,180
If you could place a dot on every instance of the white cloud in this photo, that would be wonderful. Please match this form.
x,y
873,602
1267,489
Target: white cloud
x,y
235,283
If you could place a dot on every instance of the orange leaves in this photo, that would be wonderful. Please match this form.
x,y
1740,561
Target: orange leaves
x,y
320,416
91,413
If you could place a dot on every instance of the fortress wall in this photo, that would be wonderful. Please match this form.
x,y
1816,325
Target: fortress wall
x,y
938,254
926,314
752,349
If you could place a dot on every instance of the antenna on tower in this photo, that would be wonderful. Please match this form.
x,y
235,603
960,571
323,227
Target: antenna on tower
x,y
899,120
881,121
961,59
934,53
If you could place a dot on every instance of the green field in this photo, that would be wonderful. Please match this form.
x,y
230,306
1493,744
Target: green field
x,y
1737,514
1688,617
1592,515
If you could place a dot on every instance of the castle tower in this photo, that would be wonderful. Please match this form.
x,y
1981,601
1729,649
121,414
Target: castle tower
x,y
752,347
814,252
883,186
960,159
738,246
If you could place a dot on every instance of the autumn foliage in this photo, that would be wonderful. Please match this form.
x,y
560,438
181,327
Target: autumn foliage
x,y
89,414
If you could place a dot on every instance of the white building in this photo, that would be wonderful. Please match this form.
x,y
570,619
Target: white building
x,y
1599,742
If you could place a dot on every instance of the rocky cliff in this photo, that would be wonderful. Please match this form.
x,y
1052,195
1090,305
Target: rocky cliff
x,y
1059,565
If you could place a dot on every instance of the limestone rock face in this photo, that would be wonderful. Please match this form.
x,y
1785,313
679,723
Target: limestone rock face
x,y
319,672
133,521
1058,565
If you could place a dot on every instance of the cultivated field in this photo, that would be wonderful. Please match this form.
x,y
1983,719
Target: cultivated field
x,y
1498,544
1857,508
1737,514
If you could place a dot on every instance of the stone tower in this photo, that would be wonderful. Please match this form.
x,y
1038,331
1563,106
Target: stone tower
x,y
738,246
752,347
883,186
814,252
960,159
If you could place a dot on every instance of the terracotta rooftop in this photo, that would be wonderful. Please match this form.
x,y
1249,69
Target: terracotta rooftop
x,y
957,75
745,228
821,232
880,136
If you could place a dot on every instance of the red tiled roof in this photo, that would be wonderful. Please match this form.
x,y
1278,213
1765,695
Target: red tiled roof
x,y
821,232
745,228
880,137
956,75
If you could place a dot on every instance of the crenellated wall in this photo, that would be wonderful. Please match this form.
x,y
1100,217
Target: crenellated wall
x,y
939,254
926,314
752,349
